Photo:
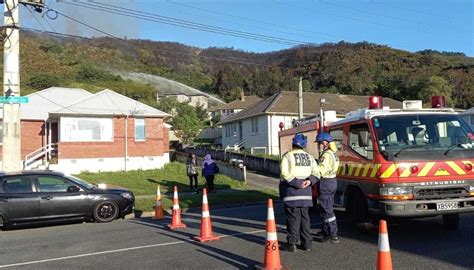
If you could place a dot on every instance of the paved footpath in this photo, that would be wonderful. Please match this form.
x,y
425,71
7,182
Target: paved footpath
x,y
148,244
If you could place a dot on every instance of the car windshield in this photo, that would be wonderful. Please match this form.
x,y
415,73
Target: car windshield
x,y
81,182
403,135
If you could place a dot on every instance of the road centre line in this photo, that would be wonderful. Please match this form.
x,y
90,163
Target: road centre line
x,y
136,248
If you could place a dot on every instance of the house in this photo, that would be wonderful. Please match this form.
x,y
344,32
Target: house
x,y
256,128
72,130
468,117
235,106
194,100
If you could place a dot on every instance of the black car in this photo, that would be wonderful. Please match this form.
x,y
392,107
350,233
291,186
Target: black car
x,y
44,196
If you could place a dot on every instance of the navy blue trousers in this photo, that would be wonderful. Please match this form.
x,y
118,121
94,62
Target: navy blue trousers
x,y
327,189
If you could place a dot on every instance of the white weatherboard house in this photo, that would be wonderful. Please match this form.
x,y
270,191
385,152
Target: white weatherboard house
x,y
256,128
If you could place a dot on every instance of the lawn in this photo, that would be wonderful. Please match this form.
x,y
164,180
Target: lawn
x,y
144,182
224,198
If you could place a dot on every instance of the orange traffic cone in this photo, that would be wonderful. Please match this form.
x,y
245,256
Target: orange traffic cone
x,y
176,217
384,259
206,226
158,206
272,252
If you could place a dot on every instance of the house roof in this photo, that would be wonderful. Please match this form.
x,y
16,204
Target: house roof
x,y
286,103
469,111
240,104
50,99
108,102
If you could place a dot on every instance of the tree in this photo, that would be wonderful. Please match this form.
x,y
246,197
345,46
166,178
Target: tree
x,y
186,123
436,86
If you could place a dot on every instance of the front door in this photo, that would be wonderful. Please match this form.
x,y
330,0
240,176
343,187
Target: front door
x,y
18,201
54,132
57,201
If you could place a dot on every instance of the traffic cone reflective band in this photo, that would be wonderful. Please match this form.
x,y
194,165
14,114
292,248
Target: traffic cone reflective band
x,y
176,217
158,206
272,252
384,259
206,226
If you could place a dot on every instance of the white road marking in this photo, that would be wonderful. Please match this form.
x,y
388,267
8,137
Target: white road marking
x,y
281,230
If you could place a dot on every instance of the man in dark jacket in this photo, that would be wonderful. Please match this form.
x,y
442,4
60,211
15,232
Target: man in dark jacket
x,y
299,171
209,170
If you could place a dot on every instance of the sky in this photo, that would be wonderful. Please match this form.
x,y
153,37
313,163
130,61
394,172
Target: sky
x,y
269,25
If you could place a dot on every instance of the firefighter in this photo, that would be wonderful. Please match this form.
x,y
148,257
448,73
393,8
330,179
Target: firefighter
x,y
328,164
299,171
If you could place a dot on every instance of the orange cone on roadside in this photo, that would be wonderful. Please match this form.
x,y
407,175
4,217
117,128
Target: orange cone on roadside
x,y
176,217
158,206
206,226
272,252
384,259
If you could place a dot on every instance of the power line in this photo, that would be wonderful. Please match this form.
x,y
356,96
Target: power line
x,y
377,14
258,21
185,24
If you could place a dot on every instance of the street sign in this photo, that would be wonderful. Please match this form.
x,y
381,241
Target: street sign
x,y
14,99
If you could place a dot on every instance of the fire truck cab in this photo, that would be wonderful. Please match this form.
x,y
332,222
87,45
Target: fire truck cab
x,y
409,162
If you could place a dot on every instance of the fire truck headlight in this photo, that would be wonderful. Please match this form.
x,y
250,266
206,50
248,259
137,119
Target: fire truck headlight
x,y
394,191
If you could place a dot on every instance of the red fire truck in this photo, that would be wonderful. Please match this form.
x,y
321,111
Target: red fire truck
x,y
409,162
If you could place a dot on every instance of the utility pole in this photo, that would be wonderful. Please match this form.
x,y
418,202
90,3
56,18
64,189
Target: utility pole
x,y
300,99
11,150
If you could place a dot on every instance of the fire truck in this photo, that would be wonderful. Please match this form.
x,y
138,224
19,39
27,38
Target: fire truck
x,y
409,162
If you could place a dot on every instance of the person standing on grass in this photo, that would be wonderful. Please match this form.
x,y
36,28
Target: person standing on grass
x,y
192,172
209,170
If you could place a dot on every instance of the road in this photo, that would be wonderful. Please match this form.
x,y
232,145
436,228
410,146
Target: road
x,y
147,244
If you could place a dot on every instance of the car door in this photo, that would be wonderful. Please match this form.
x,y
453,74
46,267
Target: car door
x,y
19,202
60,198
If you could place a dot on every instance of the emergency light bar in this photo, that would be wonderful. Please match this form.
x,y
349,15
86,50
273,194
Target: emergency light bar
x,y
412,104
375,102
438,102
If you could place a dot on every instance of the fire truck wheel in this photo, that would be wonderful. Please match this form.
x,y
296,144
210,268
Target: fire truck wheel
x,y
451,222
358,207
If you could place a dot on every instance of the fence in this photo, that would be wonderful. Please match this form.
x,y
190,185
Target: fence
x,y
253,163
224,168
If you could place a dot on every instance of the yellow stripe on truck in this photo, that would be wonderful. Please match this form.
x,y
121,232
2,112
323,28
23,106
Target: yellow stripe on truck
x,y
426,169
366,170
359,166
389,171
407,171
455,167
374,170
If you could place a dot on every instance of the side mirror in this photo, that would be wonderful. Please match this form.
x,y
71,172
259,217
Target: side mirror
x,y
73,189
363,138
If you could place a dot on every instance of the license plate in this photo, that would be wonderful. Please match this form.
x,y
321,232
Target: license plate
x,y
446,206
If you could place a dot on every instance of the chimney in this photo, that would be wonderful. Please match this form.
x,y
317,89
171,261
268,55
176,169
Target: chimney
x,y
242,95
300,99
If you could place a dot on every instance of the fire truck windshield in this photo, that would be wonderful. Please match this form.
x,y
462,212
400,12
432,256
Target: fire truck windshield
x,y
444,136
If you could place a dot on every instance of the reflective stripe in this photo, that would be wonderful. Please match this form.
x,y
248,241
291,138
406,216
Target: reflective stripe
x,y
272,236
426,169
384,246
176,207
175,195
455,167
204,200
389,171
205,214
328,220
270,214
296,198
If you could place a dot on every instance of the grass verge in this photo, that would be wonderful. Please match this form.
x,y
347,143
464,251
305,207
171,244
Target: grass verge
x,y
215,199
143,182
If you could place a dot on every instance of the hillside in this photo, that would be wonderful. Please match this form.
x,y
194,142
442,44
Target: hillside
x,y
360,68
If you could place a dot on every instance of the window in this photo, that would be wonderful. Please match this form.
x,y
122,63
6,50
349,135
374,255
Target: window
x,y
360,140
52,184
17,185
337,135
86,129
140,134
254,125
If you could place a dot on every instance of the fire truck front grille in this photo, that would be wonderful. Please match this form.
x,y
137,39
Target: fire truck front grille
x,y
440,193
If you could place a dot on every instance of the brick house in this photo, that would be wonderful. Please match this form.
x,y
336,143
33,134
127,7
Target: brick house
x,y
72,130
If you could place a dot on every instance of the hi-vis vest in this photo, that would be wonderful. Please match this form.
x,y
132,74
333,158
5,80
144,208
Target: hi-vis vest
x,y
296,166
328,164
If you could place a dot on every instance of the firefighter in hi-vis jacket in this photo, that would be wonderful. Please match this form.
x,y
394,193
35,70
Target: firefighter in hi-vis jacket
x,y
299,171
328,164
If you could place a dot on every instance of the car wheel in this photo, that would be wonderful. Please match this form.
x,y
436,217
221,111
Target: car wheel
x,y
451,222
106,211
